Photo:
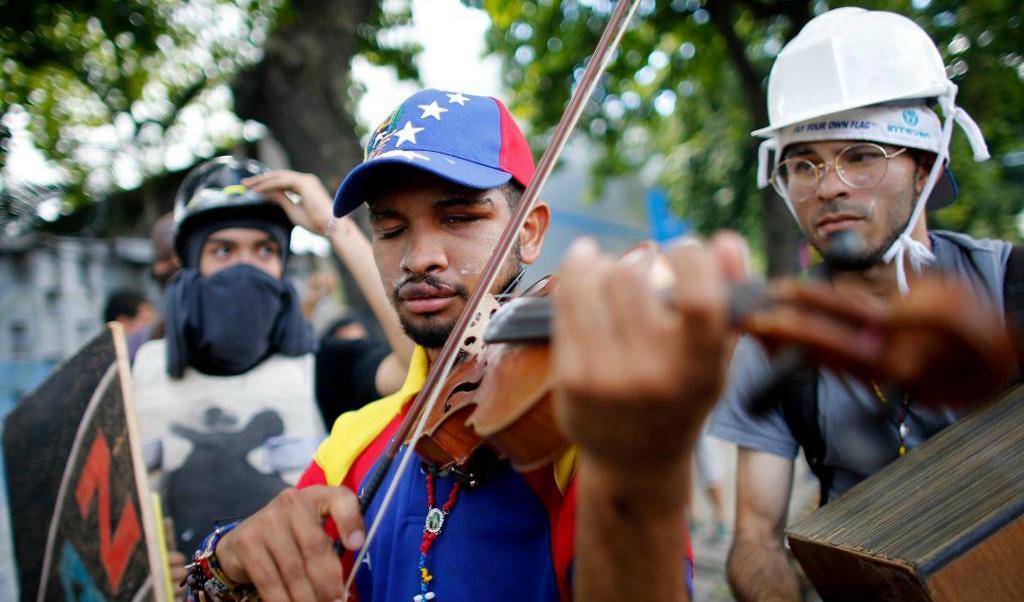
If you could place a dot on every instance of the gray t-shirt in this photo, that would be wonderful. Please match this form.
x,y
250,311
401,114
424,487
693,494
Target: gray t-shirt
x,y
860,432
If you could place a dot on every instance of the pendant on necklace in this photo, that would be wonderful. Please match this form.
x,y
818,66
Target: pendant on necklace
x,y
904,430
434,522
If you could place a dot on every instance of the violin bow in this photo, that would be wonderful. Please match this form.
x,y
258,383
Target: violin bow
x,y
424,403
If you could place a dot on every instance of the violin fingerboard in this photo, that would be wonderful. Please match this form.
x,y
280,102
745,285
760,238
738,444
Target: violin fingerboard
x,y
522,320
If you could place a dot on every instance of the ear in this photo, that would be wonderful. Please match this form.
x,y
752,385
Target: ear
x,y
924,167
531,235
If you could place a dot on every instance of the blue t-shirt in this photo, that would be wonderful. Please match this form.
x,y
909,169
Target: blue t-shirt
x,y
495,544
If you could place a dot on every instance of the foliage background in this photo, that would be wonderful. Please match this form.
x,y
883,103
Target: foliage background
x,y
118,93
689,86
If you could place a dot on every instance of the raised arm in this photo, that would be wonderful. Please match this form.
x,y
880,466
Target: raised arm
x,y
313,212
353,248
758,567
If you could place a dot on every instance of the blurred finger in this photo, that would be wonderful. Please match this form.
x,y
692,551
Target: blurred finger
x,y
828,340
576,322
822,298
637,315
289,559
701,297
733,255
321,564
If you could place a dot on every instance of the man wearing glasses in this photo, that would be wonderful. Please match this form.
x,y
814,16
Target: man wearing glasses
x,y
859,154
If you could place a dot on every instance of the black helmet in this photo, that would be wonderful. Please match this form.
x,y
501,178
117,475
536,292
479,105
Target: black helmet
x,y
213,192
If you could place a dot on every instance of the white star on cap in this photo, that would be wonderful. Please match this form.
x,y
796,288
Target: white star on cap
x,y
407,134
407,155
432,110
457,97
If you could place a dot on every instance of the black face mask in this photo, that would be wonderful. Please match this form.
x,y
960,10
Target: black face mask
x,y
227,323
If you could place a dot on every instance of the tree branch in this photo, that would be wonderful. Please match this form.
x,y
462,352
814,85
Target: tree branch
x,y
721,16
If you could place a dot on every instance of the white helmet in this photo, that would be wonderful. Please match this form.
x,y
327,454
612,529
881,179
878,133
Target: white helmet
x,y
850,58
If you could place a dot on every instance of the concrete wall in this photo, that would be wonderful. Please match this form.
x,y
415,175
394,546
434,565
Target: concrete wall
x,y
52,291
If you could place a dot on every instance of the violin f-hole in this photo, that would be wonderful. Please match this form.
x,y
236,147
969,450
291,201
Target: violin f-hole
x,y
463,387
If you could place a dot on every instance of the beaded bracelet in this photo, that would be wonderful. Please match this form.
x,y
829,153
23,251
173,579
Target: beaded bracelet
x,y
205,575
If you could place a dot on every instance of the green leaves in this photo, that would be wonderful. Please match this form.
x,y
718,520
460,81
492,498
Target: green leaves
x,y
119,91
104,82
688,86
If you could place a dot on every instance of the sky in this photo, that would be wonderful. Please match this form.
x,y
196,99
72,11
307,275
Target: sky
x,y
443,63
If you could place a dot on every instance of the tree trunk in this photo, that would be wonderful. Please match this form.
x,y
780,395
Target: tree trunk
x,y
299,91
781,235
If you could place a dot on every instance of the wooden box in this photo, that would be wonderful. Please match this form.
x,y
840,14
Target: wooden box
x,y
944,523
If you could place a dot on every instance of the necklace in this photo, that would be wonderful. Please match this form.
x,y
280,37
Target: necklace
x,y
902,429
431,530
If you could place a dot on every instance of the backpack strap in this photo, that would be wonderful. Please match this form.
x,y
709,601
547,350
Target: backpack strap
x,y
797,396
1013,299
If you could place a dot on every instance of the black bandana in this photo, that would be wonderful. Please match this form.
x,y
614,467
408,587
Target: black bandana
x,y
230,321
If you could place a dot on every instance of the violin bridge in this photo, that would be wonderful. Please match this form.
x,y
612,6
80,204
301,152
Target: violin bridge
x,y
473,341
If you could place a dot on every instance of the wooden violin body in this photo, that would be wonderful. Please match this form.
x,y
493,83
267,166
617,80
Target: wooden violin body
x,y
500,397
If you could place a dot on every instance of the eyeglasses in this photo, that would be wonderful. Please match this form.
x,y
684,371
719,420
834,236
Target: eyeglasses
x,y
859,166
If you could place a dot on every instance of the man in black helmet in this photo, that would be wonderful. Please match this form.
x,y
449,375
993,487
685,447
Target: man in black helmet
x,y
225,401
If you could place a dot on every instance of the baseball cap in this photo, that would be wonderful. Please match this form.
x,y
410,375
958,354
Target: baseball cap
x,y
910,124
468,140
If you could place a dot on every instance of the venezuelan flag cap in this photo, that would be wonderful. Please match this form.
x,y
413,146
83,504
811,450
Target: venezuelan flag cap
x,y
468,140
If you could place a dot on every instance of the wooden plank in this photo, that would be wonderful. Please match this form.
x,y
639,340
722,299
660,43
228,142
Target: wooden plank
x,y
79,509
151,523
982,573
844,575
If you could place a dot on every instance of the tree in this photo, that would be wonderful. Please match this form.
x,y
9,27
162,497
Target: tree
x,y
120,91
688,86
301,90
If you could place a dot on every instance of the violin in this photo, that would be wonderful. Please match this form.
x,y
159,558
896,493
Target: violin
x,y
500,394
939,343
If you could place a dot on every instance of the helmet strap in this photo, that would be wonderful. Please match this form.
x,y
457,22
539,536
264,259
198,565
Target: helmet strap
x,y
767,154
905,247
974,135
764,162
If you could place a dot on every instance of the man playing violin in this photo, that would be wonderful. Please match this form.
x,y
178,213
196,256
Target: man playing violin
x,y
860,153
634,379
